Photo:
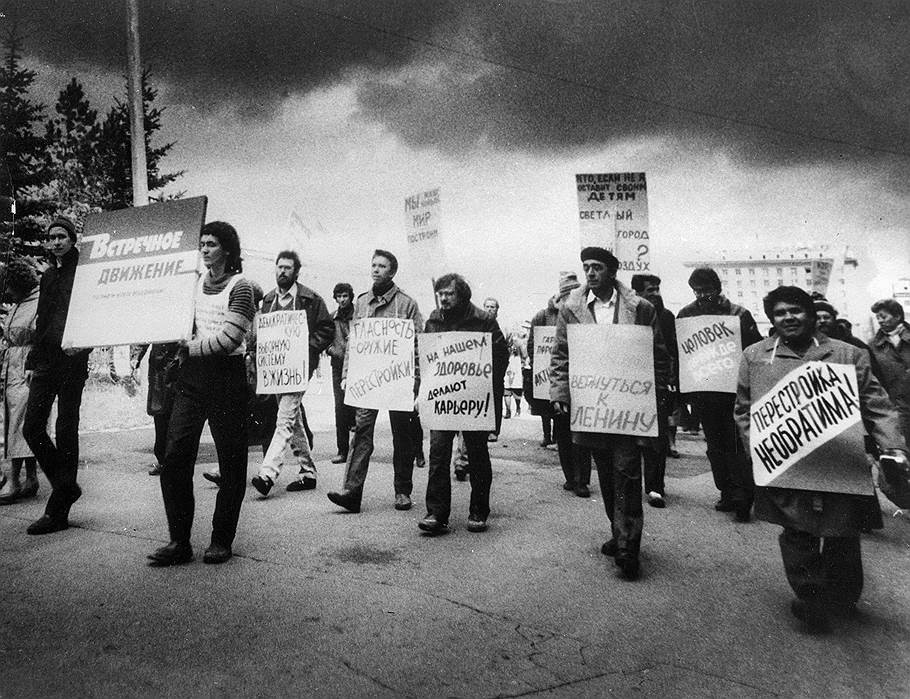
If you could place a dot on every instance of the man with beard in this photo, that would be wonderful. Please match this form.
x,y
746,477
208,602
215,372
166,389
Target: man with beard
x,y
819,544
457,313
384,300
729,463
654,451
289,439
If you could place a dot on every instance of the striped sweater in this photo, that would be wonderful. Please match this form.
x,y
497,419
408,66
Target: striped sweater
x,y
241,310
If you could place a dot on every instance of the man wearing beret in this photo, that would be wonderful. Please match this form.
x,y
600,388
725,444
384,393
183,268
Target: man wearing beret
x,y
604,300
56,373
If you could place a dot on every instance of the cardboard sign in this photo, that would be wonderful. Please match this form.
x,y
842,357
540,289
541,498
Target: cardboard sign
x,y
456,381
806,432
282,352
136,278
709,352
421,224
821,275
611,379
613,214
381,364
544,337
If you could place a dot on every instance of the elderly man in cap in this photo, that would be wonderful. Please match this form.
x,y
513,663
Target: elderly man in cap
x,y
604,300
56,374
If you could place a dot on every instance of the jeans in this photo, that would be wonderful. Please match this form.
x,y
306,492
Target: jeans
x,y
439,481
726,454
828,570
344,414
619,473
362,449
213,389
63,380
289,440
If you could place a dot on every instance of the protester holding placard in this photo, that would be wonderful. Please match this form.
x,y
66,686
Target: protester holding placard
x,y
457,313
212,386
604,300
820,542
655,451
729,464
289,438
574,459
59,374
384,300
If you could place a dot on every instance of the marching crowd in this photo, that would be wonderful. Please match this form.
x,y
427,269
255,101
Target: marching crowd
x,y
211,378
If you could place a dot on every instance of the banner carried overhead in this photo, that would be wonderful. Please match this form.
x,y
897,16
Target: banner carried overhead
x,y
613,214
381,364
806,433
611,379
282,352
136,278
456,381
422,229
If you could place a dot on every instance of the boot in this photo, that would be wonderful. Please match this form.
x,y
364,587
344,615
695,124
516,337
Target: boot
x,y
30,487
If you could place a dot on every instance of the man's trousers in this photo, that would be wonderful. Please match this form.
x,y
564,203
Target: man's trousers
x,y
439,480
362,449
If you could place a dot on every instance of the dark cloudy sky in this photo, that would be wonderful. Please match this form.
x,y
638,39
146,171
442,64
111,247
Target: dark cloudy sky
x,y
774,119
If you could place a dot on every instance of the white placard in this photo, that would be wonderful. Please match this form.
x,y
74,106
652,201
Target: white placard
x,y
282,352
456,381
381,364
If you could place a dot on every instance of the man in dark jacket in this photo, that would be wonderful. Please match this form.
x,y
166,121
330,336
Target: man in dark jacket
x,y
604,300
289,437
891,351
729,463
60,374
343,294
457,313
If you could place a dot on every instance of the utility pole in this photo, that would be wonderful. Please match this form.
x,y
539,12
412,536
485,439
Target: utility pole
x,y
137,113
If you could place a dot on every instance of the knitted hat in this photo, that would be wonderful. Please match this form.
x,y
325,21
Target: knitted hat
x,y
601,255
66,224
822,305
567,282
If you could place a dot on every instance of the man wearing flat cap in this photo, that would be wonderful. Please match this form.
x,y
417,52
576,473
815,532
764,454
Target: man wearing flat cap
x,y
604,300
56,373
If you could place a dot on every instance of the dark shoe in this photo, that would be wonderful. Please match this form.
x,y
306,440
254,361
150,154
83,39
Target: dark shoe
x,y
11,497
673,454
476,524
173,554
431,525
629,567
461,474
402,502
263,484
568,486
656,500
305,483
420,461
29,488
743,513
345,500
213,476
582,491
48,525
724,505
812,614
544,443
609,548
155,469
217,553
339,458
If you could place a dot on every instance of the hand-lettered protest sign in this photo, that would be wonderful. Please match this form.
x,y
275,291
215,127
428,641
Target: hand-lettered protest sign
x,y
456,381
806,432
709,352
613,214
544,337
282,352
820,271
136,278
611,379
381,364
424,235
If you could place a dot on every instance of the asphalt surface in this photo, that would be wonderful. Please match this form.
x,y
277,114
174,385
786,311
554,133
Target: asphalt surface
x,y
317,602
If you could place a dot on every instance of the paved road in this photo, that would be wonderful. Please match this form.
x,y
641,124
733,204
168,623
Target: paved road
x,y
321,603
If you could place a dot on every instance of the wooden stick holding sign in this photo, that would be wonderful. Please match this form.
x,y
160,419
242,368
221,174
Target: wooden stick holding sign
x,y
611,379
806,433
282,352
